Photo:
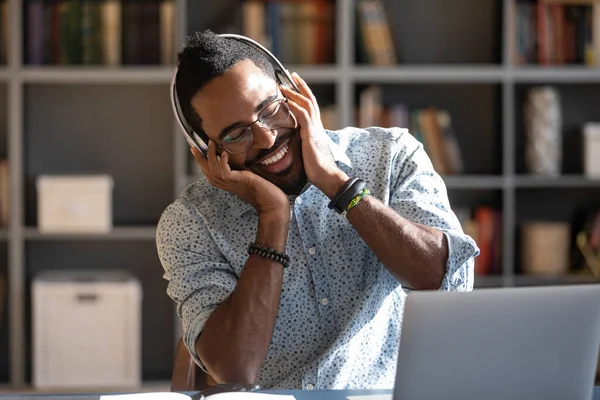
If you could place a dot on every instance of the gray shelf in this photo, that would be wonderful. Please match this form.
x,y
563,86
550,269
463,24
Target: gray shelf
x,y
117,233
316,74
473,182
427,73
26,390
564,181
495,281
81,74
554,74
142,75
574,279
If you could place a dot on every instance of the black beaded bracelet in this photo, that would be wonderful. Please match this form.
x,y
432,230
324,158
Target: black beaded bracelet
x,y
271,254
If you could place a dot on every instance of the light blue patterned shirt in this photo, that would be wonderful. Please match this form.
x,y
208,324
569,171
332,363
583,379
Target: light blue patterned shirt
x,y
340,313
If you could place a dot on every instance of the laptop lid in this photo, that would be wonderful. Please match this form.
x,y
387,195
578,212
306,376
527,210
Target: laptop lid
x,y
502,343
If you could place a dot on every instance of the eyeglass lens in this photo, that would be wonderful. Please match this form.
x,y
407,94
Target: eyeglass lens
x,y
273,116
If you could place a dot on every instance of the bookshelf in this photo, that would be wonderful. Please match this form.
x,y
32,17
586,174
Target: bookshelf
x,y
117,119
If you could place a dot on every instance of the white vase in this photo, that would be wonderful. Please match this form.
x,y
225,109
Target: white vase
x,y
543,128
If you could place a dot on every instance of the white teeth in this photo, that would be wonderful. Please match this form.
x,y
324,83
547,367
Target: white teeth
x,y
277,156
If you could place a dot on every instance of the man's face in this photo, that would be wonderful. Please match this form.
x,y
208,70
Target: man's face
x,y
235,99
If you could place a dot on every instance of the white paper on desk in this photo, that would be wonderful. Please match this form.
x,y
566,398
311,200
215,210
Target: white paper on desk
x,y
181,396
371,397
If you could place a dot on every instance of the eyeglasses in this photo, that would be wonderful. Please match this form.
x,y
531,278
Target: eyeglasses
x,y
275,115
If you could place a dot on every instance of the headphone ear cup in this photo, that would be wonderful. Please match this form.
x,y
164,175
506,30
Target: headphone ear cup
x,y
285,79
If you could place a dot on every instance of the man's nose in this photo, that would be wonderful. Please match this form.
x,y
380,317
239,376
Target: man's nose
x,y
264,138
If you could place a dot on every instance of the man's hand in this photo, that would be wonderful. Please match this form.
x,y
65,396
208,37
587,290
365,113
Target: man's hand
x,y
264,196
321,169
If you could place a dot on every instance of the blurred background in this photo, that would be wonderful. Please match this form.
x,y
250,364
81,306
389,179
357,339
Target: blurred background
x,y
502,93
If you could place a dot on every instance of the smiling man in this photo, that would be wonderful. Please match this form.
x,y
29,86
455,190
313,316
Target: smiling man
x,y
291,259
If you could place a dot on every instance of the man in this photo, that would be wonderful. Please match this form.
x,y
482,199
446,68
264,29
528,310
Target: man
x,y
331,317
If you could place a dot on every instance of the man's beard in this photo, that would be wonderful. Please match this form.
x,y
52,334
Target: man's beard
x,y
290,185
295,186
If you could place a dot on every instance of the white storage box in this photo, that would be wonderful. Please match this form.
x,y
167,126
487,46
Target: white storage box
x,y
75,203
86,330
591,149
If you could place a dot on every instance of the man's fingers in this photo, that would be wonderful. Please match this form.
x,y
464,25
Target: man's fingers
x,y
301,116
301,100
200,159
305,90
224,166
213,163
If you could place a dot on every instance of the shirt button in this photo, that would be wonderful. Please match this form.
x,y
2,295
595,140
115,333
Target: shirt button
x,y
299,200
324,301
309,386
312,250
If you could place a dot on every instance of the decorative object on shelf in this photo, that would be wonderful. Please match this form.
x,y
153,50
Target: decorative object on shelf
x,y
545,248
588,242
543,126
86,330
74,203
591,150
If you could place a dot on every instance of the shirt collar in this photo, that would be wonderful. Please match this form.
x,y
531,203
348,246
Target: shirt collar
x,y
338,153
339,156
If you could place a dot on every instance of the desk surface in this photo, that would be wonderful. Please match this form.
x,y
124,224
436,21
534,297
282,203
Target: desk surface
x,y
299,394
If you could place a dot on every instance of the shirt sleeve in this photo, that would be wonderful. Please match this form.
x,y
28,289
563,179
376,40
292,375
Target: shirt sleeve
x,y
418,193
199,278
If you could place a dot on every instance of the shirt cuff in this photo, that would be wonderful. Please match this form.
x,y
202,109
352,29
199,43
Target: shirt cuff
x,y
191,336
461,265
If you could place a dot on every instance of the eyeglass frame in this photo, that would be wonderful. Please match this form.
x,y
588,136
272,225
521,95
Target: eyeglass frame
x,y
248,127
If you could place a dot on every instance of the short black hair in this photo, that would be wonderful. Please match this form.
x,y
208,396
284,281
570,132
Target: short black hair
x,y
205,56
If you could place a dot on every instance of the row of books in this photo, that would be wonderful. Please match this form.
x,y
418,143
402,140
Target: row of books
x,y
4,32
295,32
484,225
99,32
374,41
431,126
554,32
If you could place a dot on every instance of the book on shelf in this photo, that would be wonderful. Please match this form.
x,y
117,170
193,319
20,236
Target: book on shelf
x,y
99,32
3,297
432,126
4,31
374,41
4,193
559,32
296,32
484,225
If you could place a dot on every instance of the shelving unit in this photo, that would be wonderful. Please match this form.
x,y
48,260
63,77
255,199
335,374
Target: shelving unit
x,y
118,120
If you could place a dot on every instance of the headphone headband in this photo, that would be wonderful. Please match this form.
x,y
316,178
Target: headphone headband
x,y
199,140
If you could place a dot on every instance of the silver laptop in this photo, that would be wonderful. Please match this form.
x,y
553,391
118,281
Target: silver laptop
x,y
506,343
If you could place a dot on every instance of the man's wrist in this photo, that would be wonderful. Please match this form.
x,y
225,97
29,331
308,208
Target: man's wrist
x,y
276,217
334,184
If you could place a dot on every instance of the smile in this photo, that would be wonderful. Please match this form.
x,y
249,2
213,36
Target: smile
x,y
279,160
278,156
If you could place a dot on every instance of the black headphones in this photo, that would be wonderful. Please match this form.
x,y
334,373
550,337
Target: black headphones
x,y
199,139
